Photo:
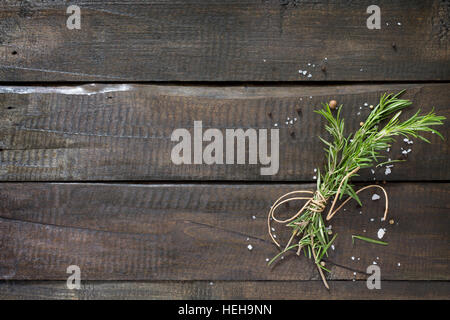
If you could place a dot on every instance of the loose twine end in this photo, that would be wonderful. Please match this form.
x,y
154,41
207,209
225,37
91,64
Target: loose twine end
x,y
315,202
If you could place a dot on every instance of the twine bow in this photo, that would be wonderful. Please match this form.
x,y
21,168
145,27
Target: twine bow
x,y
316,202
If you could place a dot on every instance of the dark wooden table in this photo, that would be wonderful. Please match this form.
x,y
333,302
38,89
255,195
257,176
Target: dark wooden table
x,y
86,118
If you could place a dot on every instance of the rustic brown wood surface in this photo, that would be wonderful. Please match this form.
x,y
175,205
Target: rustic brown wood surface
x,y
201,232
206,40
280,290
122,132
86,176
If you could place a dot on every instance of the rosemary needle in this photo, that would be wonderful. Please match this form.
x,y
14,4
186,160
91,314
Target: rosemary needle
x,y
368,240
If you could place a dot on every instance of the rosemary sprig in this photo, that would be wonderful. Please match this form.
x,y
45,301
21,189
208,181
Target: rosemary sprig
x,y
348,154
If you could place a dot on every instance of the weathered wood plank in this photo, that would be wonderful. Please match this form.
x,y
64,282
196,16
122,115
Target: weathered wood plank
x,y
201,290
201,232
206,40
122,132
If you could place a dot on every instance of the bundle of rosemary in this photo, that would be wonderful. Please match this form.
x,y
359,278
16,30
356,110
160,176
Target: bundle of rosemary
x,y
345,156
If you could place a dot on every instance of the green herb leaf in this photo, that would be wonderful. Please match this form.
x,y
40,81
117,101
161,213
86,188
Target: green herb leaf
x,y
368,240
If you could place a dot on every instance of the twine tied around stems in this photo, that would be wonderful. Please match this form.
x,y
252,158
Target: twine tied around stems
x,y
315,202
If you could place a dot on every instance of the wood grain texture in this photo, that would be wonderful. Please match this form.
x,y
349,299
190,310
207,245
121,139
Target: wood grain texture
x,y
201,232
206,290
204,40
122,132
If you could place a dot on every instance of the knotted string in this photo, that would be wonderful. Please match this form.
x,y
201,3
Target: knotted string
x,y
316,202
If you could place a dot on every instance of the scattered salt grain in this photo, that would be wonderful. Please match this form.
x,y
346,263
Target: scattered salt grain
x,y
310,97
267,259
381,233
315,169
387,172
211,283
365,104
373,171
354,273
250,247
388,149
375,197
248,239
372,219
309,64
359,259
364,230
332,247
300,71
253,217
273,229
309,75
275,125
304,72
361,69
398,264
353,258
374,262
314,177
275,236
399,23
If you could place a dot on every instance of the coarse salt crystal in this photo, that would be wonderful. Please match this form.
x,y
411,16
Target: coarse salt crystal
x,y
332,246
253,217
315,169
381,233
353,258
250,247
387,171
398,264
375,197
